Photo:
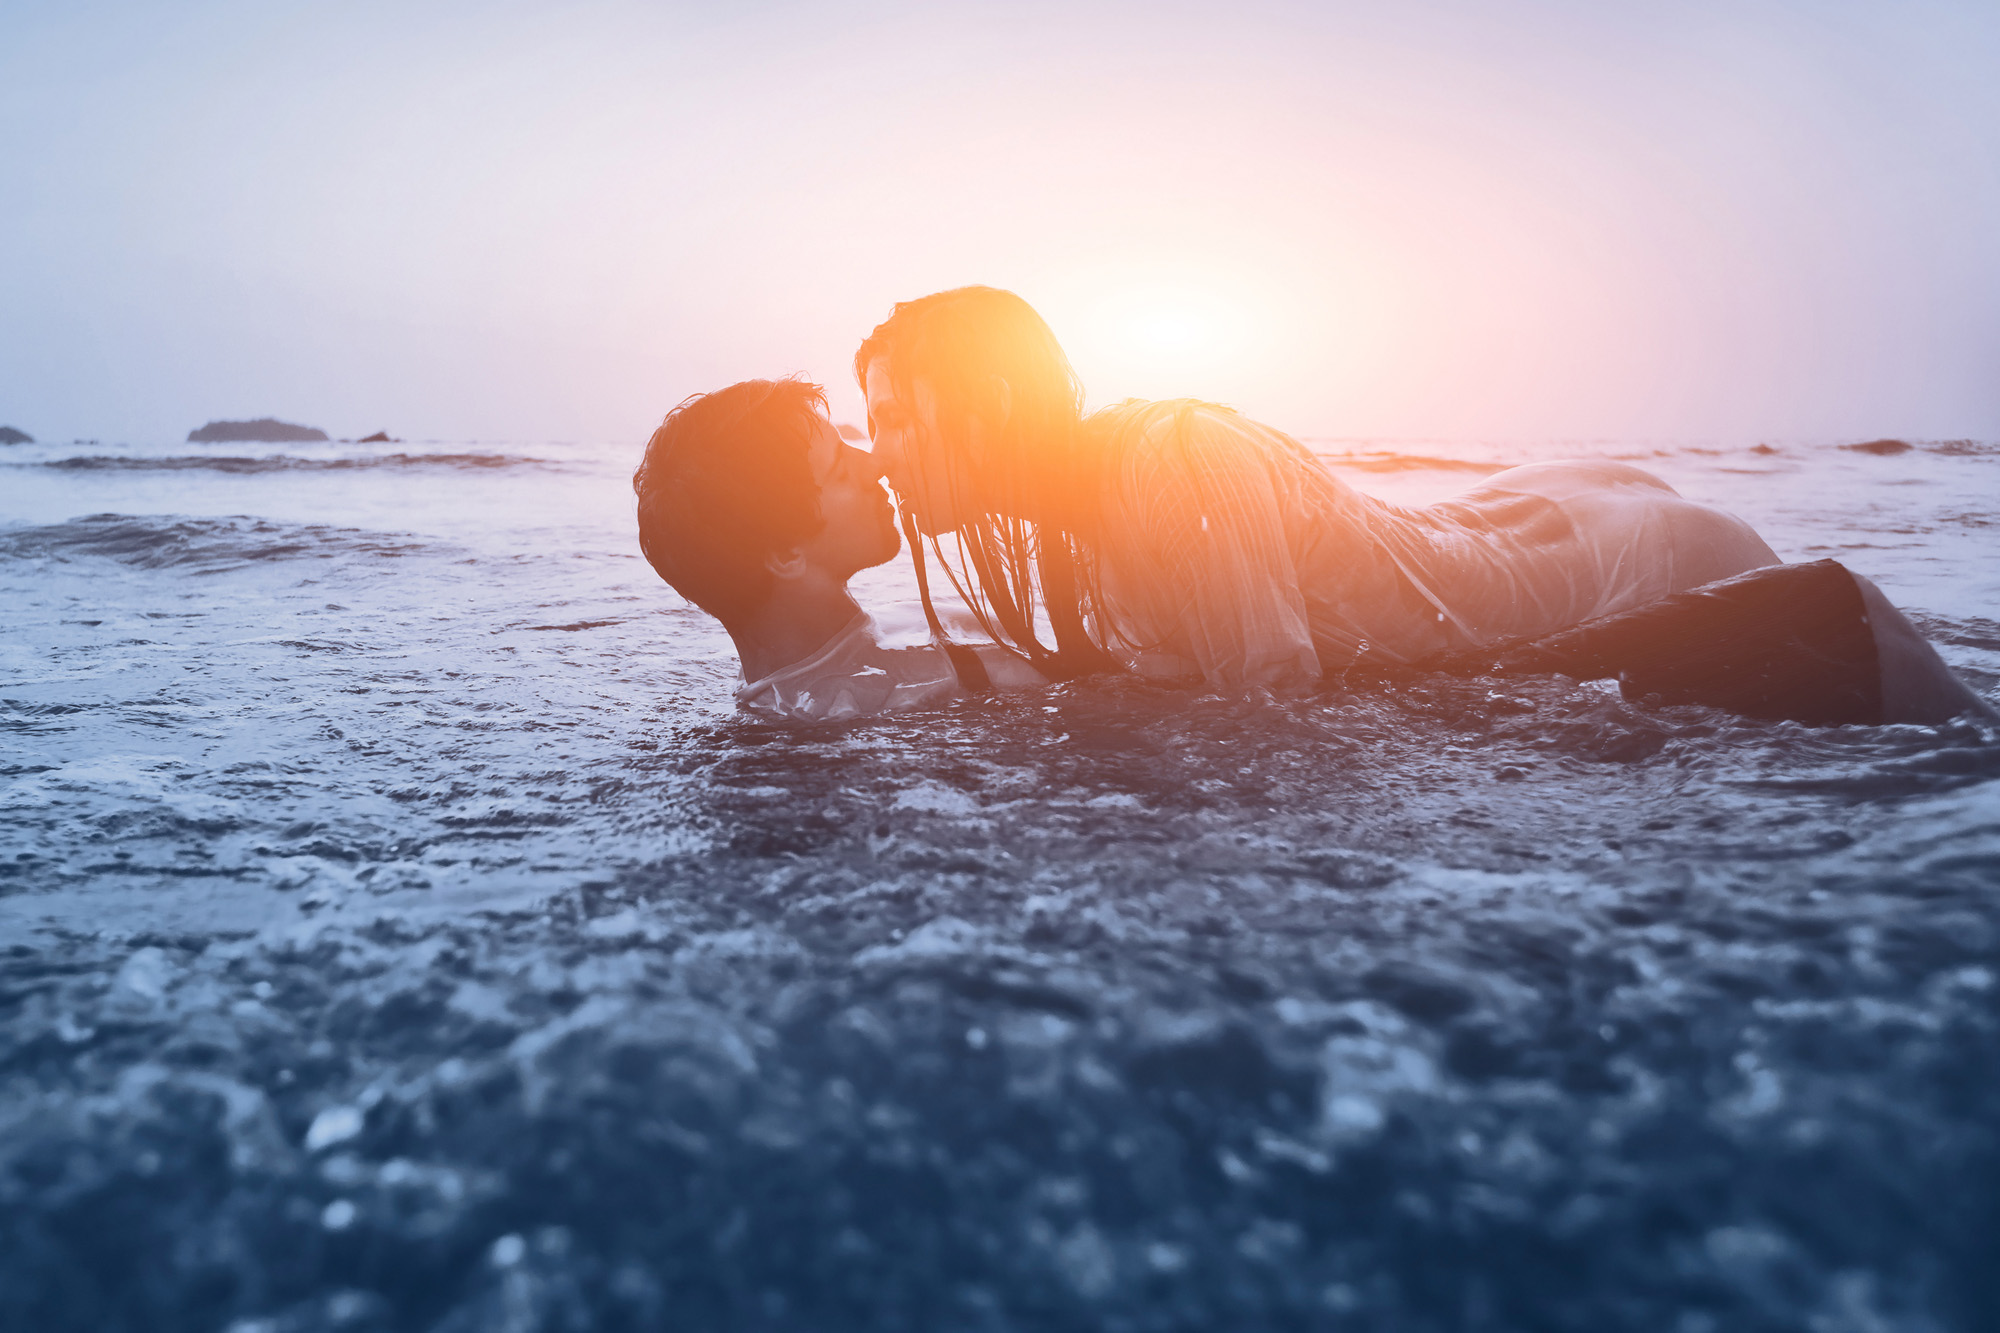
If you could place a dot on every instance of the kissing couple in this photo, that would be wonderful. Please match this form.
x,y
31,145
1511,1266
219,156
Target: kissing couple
x,y
1183,542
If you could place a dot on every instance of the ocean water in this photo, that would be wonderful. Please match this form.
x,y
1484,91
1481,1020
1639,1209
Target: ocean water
x,y
399,931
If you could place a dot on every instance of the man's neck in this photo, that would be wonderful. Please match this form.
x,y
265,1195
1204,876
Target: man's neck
x,y
795,622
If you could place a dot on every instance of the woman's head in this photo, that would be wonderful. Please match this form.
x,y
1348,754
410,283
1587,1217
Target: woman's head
x,y
972,405
977,421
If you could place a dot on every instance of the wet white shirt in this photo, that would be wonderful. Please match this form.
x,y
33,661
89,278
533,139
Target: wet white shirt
x,y
852,675
1227,553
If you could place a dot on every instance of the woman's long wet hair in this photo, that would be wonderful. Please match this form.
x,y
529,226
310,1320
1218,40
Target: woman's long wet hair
x,y
1030,494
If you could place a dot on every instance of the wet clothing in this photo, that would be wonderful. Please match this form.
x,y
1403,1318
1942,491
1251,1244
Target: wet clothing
x,y
852,676
1228,554
1815,643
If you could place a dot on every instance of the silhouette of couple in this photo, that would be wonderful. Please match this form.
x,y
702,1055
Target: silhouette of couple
x,y
1179,540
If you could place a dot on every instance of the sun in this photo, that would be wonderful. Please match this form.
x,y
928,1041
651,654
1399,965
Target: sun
x,y
1170,323
1178,330
1162,339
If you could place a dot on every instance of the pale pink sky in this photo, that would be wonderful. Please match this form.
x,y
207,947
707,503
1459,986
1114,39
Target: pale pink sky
x,y
515,221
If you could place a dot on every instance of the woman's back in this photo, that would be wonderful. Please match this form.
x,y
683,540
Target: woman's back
x,y
1563,542
1227,551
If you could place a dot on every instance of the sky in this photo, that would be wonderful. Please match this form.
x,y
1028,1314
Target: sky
x,y
1553,219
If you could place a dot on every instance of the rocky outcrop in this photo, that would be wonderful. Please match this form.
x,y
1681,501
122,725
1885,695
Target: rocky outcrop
x,y
379,437
8,435
264,430
1881,448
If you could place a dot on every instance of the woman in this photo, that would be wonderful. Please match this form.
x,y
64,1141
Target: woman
x,y
1181,540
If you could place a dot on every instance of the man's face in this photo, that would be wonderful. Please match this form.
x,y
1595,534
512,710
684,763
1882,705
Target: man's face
x,y
860,528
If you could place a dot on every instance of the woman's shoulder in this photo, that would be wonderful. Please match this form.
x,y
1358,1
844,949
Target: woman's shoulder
x,y
1141,435
1156,420
1169,442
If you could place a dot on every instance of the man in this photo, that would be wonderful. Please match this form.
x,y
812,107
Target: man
x,y
753,508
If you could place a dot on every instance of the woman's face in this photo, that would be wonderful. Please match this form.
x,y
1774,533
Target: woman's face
x,y
912,451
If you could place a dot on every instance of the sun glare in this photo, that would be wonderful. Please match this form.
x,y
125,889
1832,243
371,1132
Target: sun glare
x,y
1174,331
1149,335
1293,337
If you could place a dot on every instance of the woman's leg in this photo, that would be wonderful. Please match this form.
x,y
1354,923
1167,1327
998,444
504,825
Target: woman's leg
x,y
1916,684
1814,642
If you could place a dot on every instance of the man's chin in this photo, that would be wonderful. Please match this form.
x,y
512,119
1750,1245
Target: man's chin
x,y
891,548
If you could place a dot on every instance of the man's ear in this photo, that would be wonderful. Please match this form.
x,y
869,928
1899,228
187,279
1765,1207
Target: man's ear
x,y
788,563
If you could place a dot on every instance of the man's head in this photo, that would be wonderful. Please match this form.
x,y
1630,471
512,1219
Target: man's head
x,y
750,486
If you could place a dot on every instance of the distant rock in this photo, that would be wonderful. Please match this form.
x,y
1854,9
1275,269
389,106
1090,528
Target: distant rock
x,y
379,437
8,435
264,430
850,432
1881,448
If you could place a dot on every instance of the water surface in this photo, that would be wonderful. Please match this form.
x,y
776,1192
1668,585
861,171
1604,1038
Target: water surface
x,y
398,931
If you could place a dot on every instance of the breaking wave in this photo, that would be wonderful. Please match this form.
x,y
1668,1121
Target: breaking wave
x,y
1367,461
200,544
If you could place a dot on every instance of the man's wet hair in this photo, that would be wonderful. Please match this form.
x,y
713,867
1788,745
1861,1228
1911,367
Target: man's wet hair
x,y
726,482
